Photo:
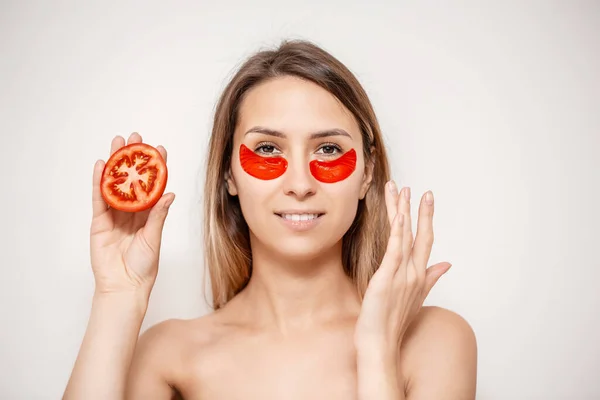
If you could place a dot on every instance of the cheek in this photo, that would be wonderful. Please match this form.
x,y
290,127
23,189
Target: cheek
x,y
342,201
336,170
253,202
265,168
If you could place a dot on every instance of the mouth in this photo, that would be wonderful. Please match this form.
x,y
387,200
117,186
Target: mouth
x,y
300,216
300,221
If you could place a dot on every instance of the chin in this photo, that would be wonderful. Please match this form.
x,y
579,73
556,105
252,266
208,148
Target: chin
x,y
302,249
293,249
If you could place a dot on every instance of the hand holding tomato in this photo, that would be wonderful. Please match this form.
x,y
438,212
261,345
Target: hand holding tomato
x,y
129,211
398,289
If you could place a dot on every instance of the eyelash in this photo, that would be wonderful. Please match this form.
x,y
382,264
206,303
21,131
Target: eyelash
x,y
271,144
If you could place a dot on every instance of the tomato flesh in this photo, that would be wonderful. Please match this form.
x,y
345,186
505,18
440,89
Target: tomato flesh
x,y
134,178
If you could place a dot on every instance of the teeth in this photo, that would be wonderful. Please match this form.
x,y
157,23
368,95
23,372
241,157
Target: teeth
x,y
299,217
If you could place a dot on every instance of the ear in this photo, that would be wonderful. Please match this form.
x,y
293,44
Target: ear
x,y
368,176
230,183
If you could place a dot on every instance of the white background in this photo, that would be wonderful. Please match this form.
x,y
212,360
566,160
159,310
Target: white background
x,y
493,106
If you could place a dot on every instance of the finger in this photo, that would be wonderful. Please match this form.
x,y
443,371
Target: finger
x,y
162,151
393,254
404,208
424,238
99,206
116,144
134,138
407,273
140,218
434,273
391,199
156,220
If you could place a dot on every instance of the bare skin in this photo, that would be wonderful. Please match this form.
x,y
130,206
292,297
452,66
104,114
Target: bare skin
x,y
298,329
214,357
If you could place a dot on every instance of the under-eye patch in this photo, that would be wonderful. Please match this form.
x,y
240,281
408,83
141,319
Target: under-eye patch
x,y
265,168
335,170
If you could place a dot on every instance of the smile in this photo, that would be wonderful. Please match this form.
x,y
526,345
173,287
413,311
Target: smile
x,y
299,217
300,221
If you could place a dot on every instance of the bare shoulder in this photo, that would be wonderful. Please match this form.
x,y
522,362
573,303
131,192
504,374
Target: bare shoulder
x,y
175,328
440,324
440,346
161,356
169,337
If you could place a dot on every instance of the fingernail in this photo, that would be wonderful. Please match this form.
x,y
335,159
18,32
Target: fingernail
x,y
393,188
429,198
407,194
169,202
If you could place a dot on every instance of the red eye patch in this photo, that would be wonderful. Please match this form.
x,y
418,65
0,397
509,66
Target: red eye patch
x,y
261,167
267,168
336,170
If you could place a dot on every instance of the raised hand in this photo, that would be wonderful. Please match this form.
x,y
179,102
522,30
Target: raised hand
x,y
125,246
398,289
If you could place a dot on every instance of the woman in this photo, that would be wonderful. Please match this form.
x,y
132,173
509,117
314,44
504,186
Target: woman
x,y
317,282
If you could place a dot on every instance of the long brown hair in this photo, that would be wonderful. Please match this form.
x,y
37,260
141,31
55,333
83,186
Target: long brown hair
x,y
226,236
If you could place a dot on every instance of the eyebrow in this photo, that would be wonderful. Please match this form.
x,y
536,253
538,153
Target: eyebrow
x,y
315,135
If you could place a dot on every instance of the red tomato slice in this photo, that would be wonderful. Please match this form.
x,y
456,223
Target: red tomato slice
x,y
134,178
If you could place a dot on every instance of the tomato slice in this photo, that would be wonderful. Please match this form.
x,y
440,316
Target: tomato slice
x,y
134,178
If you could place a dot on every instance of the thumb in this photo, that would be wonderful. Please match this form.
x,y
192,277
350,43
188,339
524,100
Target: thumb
x,y
434,273
156,221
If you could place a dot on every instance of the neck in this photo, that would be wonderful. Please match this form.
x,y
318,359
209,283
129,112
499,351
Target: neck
x,y
295,295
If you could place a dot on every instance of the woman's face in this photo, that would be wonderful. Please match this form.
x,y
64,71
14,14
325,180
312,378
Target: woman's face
x,y
293,168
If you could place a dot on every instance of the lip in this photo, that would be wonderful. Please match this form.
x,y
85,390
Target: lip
x,y
300,226
297,211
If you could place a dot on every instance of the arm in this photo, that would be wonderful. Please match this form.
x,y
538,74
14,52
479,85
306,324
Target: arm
x,y
379,377
112,362
124,254
101,367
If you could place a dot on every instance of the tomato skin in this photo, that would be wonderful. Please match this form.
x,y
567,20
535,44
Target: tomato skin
x,y
123,192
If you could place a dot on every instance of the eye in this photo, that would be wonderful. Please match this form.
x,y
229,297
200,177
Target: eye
x,y
266,148
329,149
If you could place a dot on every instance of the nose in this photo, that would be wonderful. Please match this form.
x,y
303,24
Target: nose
x,y
297,180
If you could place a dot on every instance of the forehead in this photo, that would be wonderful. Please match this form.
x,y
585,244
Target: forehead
x,y
296,107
